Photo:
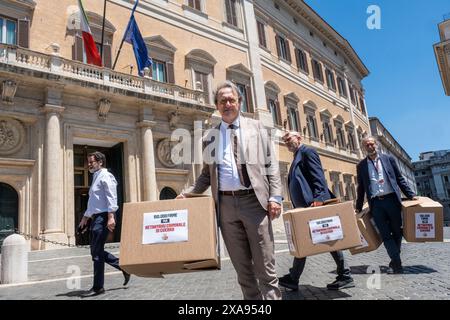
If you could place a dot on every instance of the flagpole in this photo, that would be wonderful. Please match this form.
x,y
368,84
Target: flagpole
x,y
123,38
103,29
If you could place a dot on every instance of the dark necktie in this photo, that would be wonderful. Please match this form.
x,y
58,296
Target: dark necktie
x,y
241,167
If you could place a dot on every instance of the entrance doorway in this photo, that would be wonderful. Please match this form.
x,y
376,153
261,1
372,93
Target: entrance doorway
x,y
167,194
9,211
83,180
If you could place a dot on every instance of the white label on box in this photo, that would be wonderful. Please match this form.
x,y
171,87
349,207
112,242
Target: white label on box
x,y
165,227
326,229
364,243
287,227
425,226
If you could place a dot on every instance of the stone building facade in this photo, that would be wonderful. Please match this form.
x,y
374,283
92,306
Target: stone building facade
x,y
432,173
389,145
293,69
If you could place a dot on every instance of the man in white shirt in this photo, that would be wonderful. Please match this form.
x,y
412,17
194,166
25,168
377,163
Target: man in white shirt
x,y
102,206
246,186
380,180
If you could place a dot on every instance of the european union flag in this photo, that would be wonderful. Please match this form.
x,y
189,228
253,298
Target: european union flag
x,y
134,37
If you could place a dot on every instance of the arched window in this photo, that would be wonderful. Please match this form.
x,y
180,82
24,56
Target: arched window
x,y
167,194
201,64
162,53
9,210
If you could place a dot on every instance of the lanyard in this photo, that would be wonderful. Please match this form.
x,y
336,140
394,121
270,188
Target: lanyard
x,y
375,166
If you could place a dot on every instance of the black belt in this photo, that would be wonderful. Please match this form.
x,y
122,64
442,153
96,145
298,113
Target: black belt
x,y
100,213
237,192
383,196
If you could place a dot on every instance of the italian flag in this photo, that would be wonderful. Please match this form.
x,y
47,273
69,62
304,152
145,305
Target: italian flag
x,y
92,54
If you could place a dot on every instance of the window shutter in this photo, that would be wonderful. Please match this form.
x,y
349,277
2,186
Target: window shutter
x,y
261,34
297,53
277,40
249,98
305,62
77,48
288,51
320,72
107,56
170,72
277,103
24,33
289,120
228,11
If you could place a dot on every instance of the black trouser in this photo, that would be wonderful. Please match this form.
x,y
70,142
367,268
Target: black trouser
x,y
342,270
99,233
386,212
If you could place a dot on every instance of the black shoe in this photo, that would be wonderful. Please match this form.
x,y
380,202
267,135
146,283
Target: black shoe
x,y
341,283
287,282
93,292
127,277
395,270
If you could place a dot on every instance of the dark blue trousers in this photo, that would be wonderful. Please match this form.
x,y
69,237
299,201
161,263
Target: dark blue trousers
x,y
99,233
342,269
387,215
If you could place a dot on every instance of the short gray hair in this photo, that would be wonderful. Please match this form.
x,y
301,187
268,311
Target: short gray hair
x,y
99,157
294,133
363,141
227,84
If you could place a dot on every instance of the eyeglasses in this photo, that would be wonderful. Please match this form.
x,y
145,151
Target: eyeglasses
x,y
230,100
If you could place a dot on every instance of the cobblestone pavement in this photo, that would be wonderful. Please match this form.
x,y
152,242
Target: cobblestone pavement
x,y
427,276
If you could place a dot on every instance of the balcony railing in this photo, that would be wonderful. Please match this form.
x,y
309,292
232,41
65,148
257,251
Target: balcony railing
x,y
53,63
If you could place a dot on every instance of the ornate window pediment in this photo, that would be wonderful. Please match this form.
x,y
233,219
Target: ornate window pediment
x,y
326,113
291,98
310,106
160,43
241,69
202,57
349,124
338,118
272,86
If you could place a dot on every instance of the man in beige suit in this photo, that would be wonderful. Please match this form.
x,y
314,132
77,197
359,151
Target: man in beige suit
x,y
246,186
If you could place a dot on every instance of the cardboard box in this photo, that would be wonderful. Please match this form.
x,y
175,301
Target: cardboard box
x,y
370,236
423,220
170,236
311,231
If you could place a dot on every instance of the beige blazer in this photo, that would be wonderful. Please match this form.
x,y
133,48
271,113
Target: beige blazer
x,y
262,166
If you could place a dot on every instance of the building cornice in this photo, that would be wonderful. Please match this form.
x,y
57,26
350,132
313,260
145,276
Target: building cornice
x,y
442,52
313,18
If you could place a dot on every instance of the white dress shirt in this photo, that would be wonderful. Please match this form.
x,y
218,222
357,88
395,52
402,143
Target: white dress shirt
x,y
228,173
102,194
378,183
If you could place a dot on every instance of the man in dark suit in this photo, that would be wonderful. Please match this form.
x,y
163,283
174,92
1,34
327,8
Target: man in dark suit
x,y
308,188
381,181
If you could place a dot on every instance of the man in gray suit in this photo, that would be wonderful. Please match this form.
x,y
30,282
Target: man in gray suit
x,y
246,186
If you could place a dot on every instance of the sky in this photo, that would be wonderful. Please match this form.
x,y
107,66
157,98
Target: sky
x,y
404,89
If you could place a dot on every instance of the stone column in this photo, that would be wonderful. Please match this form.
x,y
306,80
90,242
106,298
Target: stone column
x,y
259,94
148,160
198,146
53,166
352,116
